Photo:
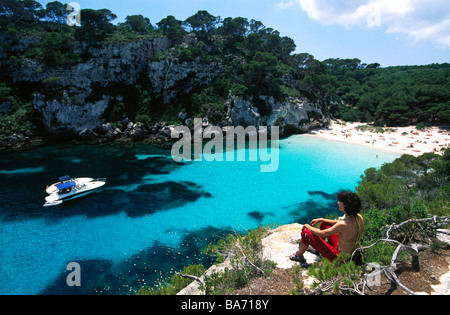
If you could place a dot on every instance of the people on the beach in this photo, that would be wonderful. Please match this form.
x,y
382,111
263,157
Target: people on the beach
x,y
342,236
396,140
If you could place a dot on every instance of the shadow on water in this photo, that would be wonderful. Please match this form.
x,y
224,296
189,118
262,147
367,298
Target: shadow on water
x,y
149,267
259,216
145,199
321,204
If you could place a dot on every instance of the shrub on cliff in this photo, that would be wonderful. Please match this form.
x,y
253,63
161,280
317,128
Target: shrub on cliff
x,y
17,121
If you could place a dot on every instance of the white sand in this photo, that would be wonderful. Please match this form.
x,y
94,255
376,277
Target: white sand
x,y
404,140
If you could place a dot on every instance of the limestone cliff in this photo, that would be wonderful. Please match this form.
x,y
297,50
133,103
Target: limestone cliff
x,y
171,79
294,115
75,99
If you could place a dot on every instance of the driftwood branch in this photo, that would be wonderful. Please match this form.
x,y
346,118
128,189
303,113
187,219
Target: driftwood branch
x,y
248,260
413,249
435,219
442,231
393,227
395,279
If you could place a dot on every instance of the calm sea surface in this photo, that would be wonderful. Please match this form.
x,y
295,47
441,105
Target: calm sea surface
x,y
154,215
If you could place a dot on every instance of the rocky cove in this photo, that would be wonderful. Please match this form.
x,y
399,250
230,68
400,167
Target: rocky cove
x,y
75,103
136,81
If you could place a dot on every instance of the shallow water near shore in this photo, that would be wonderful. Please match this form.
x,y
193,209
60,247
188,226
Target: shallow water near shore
x,y
154,215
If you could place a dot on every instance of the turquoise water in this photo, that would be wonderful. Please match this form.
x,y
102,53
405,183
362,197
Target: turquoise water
x,y
154,215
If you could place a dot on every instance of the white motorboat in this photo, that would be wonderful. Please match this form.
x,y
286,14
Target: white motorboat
x,y
64,179
70,188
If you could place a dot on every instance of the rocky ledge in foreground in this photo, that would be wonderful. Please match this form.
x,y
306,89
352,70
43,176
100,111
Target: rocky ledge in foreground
x,y
281,242
278,245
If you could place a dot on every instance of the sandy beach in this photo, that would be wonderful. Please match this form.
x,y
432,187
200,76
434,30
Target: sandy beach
x,y
401,140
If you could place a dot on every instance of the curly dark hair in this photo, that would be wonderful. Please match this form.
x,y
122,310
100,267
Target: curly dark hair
x,y
351,202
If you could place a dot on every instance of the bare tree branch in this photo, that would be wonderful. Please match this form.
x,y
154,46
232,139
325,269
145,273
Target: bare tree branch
x,y
394,227
248,260
191,277
413,249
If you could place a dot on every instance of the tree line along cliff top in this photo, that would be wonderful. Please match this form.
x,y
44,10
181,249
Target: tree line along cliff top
x,y
255,60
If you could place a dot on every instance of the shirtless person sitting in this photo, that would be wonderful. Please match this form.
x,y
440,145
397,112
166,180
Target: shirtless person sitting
x,y
343,235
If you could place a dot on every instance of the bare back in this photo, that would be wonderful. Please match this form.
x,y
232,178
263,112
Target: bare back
x,y
352,229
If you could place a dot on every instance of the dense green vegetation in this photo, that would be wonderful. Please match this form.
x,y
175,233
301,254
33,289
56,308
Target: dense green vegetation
x,y
393,96
409,187
256,60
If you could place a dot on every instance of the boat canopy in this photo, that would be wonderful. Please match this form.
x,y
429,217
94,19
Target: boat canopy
x,y
66,185
64,178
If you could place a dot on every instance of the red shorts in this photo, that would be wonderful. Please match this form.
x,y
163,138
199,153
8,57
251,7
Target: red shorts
x,y
329,249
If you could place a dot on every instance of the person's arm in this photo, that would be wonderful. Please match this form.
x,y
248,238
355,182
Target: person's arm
x,y
335,229
327,221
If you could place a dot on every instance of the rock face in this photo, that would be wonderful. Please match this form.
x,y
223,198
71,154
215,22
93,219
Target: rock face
x,y
64,115
171,79
80,105
75,103
120,62
292,116
75,98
